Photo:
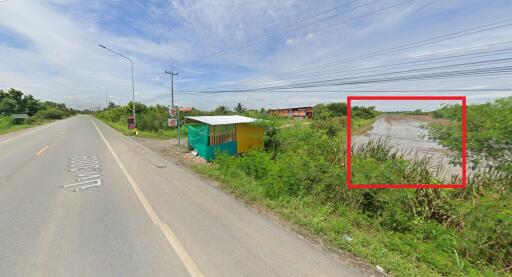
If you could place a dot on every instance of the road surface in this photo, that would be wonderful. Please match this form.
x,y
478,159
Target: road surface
x,y
123,211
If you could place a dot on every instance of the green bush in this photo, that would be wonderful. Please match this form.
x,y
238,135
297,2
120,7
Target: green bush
x,y
5,122
50,113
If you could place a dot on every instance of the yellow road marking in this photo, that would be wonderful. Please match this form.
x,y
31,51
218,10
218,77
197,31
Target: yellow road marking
x,y
42,150
180,250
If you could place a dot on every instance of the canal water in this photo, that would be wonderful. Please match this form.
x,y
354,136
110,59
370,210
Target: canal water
x,y
408,136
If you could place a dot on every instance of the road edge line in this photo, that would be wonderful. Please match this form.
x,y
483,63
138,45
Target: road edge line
x,y
34,129
179,249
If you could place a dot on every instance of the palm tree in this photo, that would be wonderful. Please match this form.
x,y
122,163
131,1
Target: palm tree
x,y
239,108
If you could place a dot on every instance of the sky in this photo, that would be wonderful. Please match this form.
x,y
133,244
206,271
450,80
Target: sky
x,y
230,51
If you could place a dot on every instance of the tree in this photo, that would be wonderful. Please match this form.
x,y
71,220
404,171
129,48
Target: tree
x,y
337,109
239,108
112,105
31,104
14,101
221,110
364,112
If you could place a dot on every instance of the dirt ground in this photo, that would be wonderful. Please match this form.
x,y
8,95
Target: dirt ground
x,y
168,149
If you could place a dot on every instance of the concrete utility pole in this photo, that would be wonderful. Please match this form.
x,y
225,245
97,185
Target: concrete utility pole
x,y
172,73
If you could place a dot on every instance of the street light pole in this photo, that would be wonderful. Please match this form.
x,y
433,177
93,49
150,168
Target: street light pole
x,y
133,80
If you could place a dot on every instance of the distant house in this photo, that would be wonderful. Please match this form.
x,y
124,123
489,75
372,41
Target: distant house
x,y
232,134
301,112
186,109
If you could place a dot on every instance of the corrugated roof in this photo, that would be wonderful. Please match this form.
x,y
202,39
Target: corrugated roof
x,y
221,119
186,109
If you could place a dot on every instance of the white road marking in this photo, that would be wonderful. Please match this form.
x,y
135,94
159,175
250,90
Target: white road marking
x,y
88,186
91,177
32,131
180,250
95,182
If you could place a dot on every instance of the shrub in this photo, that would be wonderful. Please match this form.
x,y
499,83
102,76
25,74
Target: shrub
x,y
50,113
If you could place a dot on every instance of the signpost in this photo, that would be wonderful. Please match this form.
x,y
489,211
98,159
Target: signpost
x,y
172,111
172,122
179,144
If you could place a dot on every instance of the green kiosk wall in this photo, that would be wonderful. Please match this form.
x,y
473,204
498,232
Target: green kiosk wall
x,y
198,139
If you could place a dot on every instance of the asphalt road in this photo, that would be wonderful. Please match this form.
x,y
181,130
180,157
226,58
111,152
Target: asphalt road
x,y
123,211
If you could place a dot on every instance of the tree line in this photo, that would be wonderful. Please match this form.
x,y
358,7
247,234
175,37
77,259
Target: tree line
x,y
15,101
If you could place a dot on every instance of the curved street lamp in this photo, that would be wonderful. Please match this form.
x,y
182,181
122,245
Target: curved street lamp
x,y
133,82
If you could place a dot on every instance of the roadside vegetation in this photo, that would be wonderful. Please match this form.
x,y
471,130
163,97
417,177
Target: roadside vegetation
x,y
300,176
151,120
15,102
489,133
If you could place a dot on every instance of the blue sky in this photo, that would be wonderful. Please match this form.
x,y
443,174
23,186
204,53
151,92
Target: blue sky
x,y
48,48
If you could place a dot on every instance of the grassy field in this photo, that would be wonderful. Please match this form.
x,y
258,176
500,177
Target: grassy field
x,y
300,177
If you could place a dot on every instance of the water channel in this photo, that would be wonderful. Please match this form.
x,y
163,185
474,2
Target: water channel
x,y
408,135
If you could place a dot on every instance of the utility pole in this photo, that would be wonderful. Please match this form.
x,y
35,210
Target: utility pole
x,y
106,99
172,73
106,96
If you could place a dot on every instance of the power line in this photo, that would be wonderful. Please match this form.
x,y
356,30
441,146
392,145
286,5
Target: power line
x,y
401,64
253,43
356,79
474,55
424,42
358,91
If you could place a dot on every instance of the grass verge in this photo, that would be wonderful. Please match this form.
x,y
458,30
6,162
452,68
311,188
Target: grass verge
x,y
7,127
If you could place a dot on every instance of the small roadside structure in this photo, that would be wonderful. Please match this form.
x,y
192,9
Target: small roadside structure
x,y
18,118
232,134
301,112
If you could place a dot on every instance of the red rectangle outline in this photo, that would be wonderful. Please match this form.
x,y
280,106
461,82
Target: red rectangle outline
x,y
399,186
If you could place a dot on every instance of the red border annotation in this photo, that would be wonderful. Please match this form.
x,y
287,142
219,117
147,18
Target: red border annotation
x,y
350,185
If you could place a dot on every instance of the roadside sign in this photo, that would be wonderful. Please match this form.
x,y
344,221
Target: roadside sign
x,y
20,116
172,122
131,122
172,112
